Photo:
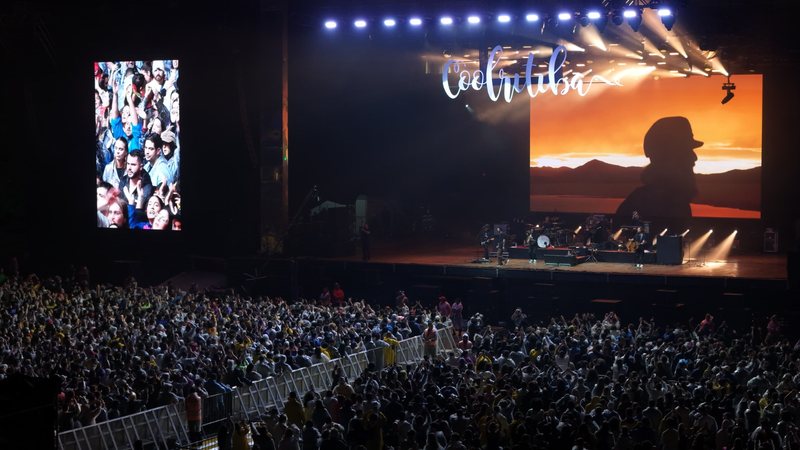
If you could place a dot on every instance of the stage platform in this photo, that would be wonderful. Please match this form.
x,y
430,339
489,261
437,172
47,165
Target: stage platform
x,y
758,270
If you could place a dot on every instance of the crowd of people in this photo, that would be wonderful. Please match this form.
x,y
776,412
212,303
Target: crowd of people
x,y
552,383
137,154
120,350
573,384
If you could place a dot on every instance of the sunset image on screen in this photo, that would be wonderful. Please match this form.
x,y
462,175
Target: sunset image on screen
x,y
587,153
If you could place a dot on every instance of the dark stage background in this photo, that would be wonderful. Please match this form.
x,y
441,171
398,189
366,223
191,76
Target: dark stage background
x,y
364,118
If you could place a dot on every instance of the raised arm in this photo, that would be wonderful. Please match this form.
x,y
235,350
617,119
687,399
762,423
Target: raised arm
x,y
134,114
114,103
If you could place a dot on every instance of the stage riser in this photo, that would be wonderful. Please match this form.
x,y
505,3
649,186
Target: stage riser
x,y
602,256
625,257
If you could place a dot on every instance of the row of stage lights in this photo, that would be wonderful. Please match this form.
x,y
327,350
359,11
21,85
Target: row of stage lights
x,y
719,252
633,16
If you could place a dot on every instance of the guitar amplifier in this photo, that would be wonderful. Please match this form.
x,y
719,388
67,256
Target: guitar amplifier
x,y
670,250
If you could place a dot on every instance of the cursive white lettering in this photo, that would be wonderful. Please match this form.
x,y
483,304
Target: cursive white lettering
x,y
509,84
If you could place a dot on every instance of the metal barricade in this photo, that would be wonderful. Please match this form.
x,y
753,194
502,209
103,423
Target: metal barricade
x,y
166,426
217,408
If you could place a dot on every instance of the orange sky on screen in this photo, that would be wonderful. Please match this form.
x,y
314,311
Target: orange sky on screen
x,y
610,122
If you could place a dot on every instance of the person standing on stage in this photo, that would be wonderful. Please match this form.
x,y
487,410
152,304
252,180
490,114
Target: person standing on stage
x,y
500,242
636,220
485,239
639,241
531,241
365,244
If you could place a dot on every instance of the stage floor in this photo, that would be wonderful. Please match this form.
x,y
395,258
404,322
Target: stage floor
x,y
757,266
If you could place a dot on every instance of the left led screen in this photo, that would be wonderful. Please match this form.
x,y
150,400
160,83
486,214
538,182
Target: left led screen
x,y
138,144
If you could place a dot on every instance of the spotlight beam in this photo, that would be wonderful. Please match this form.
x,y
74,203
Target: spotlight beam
x,y
723,249
698,244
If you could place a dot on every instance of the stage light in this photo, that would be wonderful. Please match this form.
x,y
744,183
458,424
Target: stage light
x,y
504,18
710,230
634,18
729,87
415,21
389,23
531,17
564,16
667,18
330,24
593,15
685,232
446,20
663,232
616,18
474,20
360,23
590,16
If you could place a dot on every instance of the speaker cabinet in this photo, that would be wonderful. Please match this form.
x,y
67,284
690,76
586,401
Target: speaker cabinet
x,y
670,250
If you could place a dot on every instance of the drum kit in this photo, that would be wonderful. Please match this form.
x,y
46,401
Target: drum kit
x,y
550,233
594,234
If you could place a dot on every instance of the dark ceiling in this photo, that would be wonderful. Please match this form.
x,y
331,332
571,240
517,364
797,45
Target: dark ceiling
x,y
749,36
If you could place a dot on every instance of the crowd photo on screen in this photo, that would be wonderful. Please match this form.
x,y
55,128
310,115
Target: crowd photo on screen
x,y
137,154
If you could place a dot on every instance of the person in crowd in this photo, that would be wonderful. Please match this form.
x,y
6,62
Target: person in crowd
x,y
338,294
117,212
144,217
324,297
161,220
457,316
429,339
194,414
155,164
115,170
443,308
177,222
126,123
136,185
171,151
104,193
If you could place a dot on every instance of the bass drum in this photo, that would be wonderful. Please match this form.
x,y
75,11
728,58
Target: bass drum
x,y
543,241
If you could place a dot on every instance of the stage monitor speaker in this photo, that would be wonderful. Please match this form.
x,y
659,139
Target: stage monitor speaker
x,y
670,250
770,240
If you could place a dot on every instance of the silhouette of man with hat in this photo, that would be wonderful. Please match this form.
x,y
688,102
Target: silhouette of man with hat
x,y
668,181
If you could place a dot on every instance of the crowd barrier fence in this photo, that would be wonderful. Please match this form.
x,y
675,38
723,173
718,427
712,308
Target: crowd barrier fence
x,y
166,426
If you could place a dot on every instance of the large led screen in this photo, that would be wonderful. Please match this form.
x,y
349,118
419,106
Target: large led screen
x,y
138,144
665,148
